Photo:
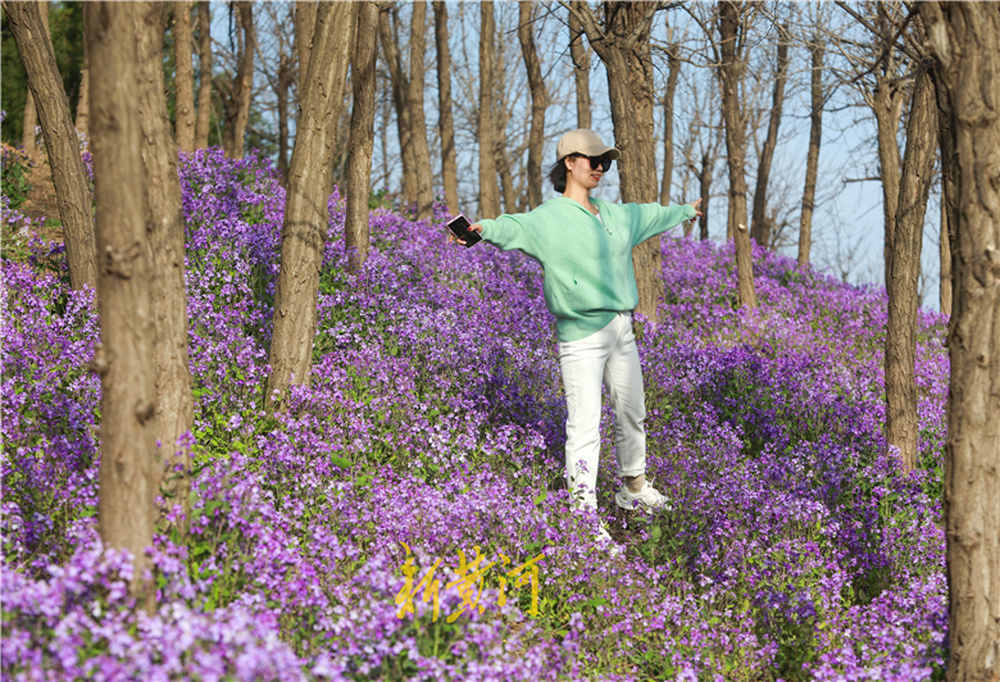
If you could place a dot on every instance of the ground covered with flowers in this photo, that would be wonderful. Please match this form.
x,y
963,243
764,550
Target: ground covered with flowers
x,y
419,475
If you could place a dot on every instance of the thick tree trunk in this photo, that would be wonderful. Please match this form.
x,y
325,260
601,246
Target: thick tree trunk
x,y
760,226
965,38
812,156
887,104
30,120
489,188
204,76
581,68
415,103
83,102
61,143
305,28
310,180
184,80
731,71
901,326
362,139
129,454
400,87
238,100
165,234
673,72
539,102
446,123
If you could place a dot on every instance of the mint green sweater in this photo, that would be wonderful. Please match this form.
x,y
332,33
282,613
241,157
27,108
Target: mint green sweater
x,y
588,265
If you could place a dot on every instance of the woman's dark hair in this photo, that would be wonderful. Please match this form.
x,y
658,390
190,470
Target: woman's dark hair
x,y
557,174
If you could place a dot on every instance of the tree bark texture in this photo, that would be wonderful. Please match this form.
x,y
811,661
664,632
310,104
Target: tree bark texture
x,y
446,121
887,104
129,455
705,187
415,103
237,101
760,226
305,28
816,51
362,133
61,142
965,39
489,187
286,77
580,54
901,326
204,119
165,239
731,72
945,241
30,120
388,34
310,181
673,72
539,102
623,45
184,80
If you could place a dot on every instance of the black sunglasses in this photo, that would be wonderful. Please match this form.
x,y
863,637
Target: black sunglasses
x,y
601,163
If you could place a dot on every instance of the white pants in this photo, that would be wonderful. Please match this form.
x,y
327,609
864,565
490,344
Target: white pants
x,y
609,357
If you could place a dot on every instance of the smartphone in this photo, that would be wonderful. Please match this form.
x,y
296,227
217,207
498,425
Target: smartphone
x,y
460,227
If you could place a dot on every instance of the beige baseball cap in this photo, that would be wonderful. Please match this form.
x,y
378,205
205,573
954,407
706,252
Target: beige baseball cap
x,y
586,142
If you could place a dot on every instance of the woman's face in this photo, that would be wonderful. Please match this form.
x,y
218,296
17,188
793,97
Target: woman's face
x,y
579,171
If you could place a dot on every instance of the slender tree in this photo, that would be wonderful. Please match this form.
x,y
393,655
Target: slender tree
x,y
184,80
83,102
236,100
732,17
363,57
489,188
165,236
129,453
760,227
901,327
580,54
204,119
673,72
817,97
965,41
539,102
415,105
446,123
310,179
389,37
61,143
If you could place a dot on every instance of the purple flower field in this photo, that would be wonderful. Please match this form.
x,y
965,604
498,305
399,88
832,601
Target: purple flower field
x,y
795,549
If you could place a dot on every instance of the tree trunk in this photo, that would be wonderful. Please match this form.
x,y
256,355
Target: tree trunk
x,y
812,156
501,118
238,100
489,188
415,103
673,72
705,187
901,326
965,38
305,28
129,454
165,234
539,102
363,58
446,123
61,142
946,238
400,87
30,120
204,76
760,226
887,104
286,76
310,181
731,70
581,68
83,102
185,75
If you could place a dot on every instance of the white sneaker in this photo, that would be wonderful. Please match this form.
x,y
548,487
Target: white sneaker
x,y
647,498
605,540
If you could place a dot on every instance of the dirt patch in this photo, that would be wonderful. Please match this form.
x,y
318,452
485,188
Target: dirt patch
x,y
41,200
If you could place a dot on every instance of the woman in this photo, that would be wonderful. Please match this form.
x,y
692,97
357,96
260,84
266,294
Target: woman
x,y
585,245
